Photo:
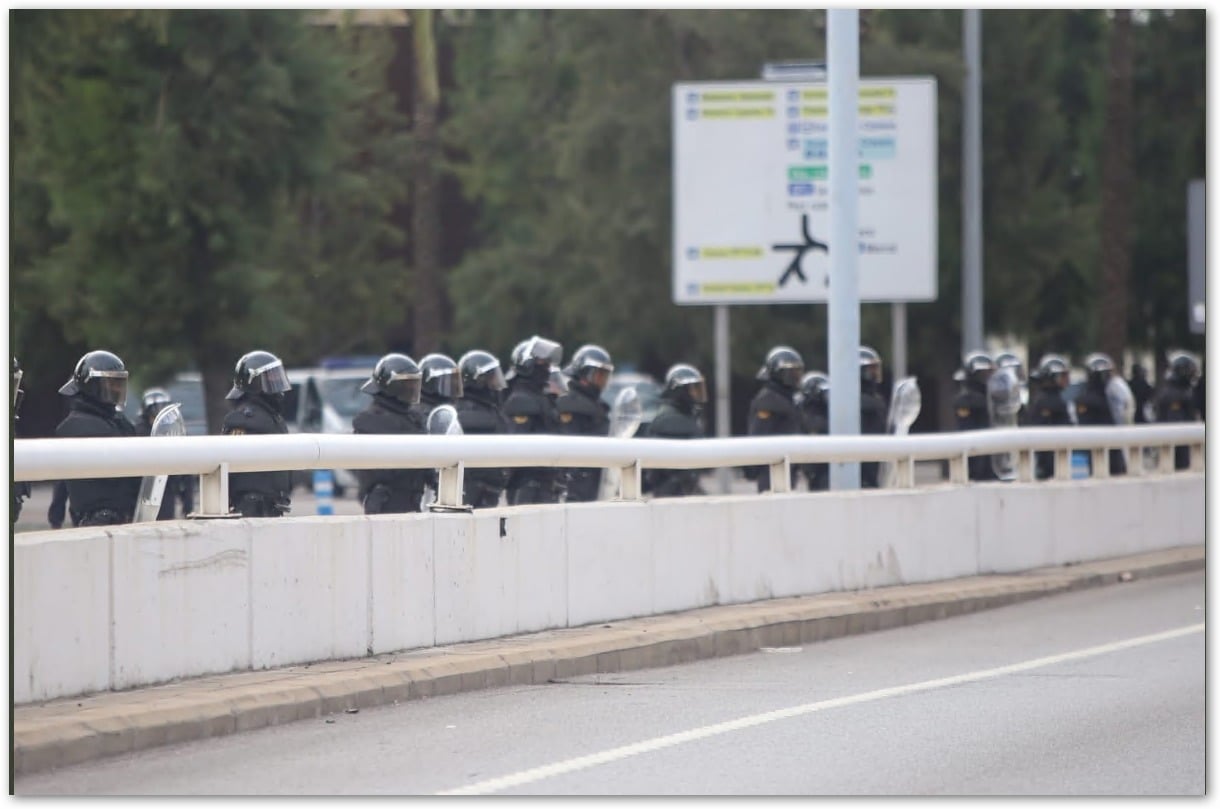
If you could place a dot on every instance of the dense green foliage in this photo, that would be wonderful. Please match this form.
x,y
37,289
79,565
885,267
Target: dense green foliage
x,y
188,185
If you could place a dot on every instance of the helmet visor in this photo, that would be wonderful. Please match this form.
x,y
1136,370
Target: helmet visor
x,y
556,382
447,383
270,379
697,391
790,375
110,388
597,377
491,378
540,348
405,388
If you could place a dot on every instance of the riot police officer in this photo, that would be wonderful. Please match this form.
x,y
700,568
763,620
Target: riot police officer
x,y
970,407
20,490
872,411
98,391
1093,406
1175,401
479,414
152,402
582,412
531,411
679,416
813,402
395,386
772,410
1048,408
259,385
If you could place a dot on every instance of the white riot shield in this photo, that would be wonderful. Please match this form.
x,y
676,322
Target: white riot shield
x,y
626,414
904,409
1003,404
443,420
1122,406
168,422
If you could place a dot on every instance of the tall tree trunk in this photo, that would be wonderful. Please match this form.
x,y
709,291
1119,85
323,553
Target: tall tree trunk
x,y
430,293
1116,185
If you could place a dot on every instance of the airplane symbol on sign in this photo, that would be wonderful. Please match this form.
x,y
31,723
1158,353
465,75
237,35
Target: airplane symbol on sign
x,y
794,267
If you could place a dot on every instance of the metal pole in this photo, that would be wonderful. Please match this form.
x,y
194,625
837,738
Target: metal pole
x,y
972,187
721,340
843,317
898,327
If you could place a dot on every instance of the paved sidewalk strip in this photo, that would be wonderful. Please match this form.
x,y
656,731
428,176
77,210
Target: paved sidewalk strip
x,y
78,729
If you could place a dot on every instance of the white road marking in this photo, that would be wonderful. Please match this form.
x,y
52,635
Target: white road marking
x,y
649,745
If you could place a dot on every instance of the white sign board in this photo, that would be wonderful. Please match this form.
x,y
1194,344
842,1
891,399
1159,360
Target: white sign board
x,y
751,199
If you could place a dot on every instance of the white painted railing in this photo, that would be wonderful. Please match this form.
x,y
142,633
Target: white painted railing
x,y
213,458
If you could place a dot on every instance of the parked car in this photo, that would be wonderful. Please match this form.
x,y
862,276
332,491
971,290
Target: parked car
x,y
325,400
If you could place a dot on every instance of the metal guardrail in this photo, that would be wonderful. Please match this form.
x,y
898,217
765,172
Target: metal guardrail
x,y
214,458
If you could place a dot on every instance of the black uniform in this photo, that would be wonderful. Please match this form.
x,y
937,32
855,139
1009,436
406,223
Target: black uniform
x,y
772,412
176,486
872,422
1142,392
59,506
815,420
531,412
1092,408
1048,409
99,501
970,409
257,494
673,421
1175,402
582,412
390,491
479,414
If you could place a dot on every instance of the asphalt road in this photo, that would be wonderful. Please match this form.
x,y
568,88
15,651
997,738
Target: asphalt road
x,y
1099,692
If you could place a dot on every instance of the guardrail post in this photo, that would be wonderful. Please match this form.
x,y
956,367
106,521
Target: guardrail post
x,y
630,479
214,492
1025,465
1196,457
959,467
449,485
781,476
1063,464
1165,460
1101,462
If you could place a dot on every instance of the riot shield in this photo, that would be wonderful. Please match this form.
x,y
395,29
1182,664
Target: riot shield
x,y
1003,404
626,414
904,409
443,420
1122,406
168,422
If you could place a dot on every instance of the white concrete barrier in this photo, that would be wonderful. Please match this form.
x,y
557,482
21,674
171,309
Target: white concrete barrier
x,y
119,607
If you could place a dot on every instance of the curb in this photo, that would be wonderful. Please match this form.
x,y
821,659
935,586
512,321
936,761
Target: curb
x,y
75,730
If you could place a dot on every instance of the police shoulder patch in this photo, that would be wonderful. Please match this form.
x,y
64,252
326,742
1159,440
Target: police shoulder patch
x,y
764,414
237,431
1082,408
963,412
1046,411
1175,405
565,417
521,419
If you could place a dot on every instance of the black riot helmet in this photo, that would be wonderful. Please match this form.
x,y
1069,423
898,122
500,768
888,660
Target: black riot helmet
x,y
978,367
442,379
396,376
684,383
1183,368
18,393
100,376
870,365
815,387
1099,368
1053,371
592,366
151,402
783,366
481,371
532,359
259,372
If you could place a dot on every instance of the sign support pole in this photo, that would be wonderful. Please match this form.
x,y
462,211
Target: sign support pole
x,y
721,339
843,68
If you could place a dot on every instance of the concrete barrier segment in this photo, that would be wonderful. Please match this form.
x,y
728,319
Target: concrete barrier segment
x,y
70,731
